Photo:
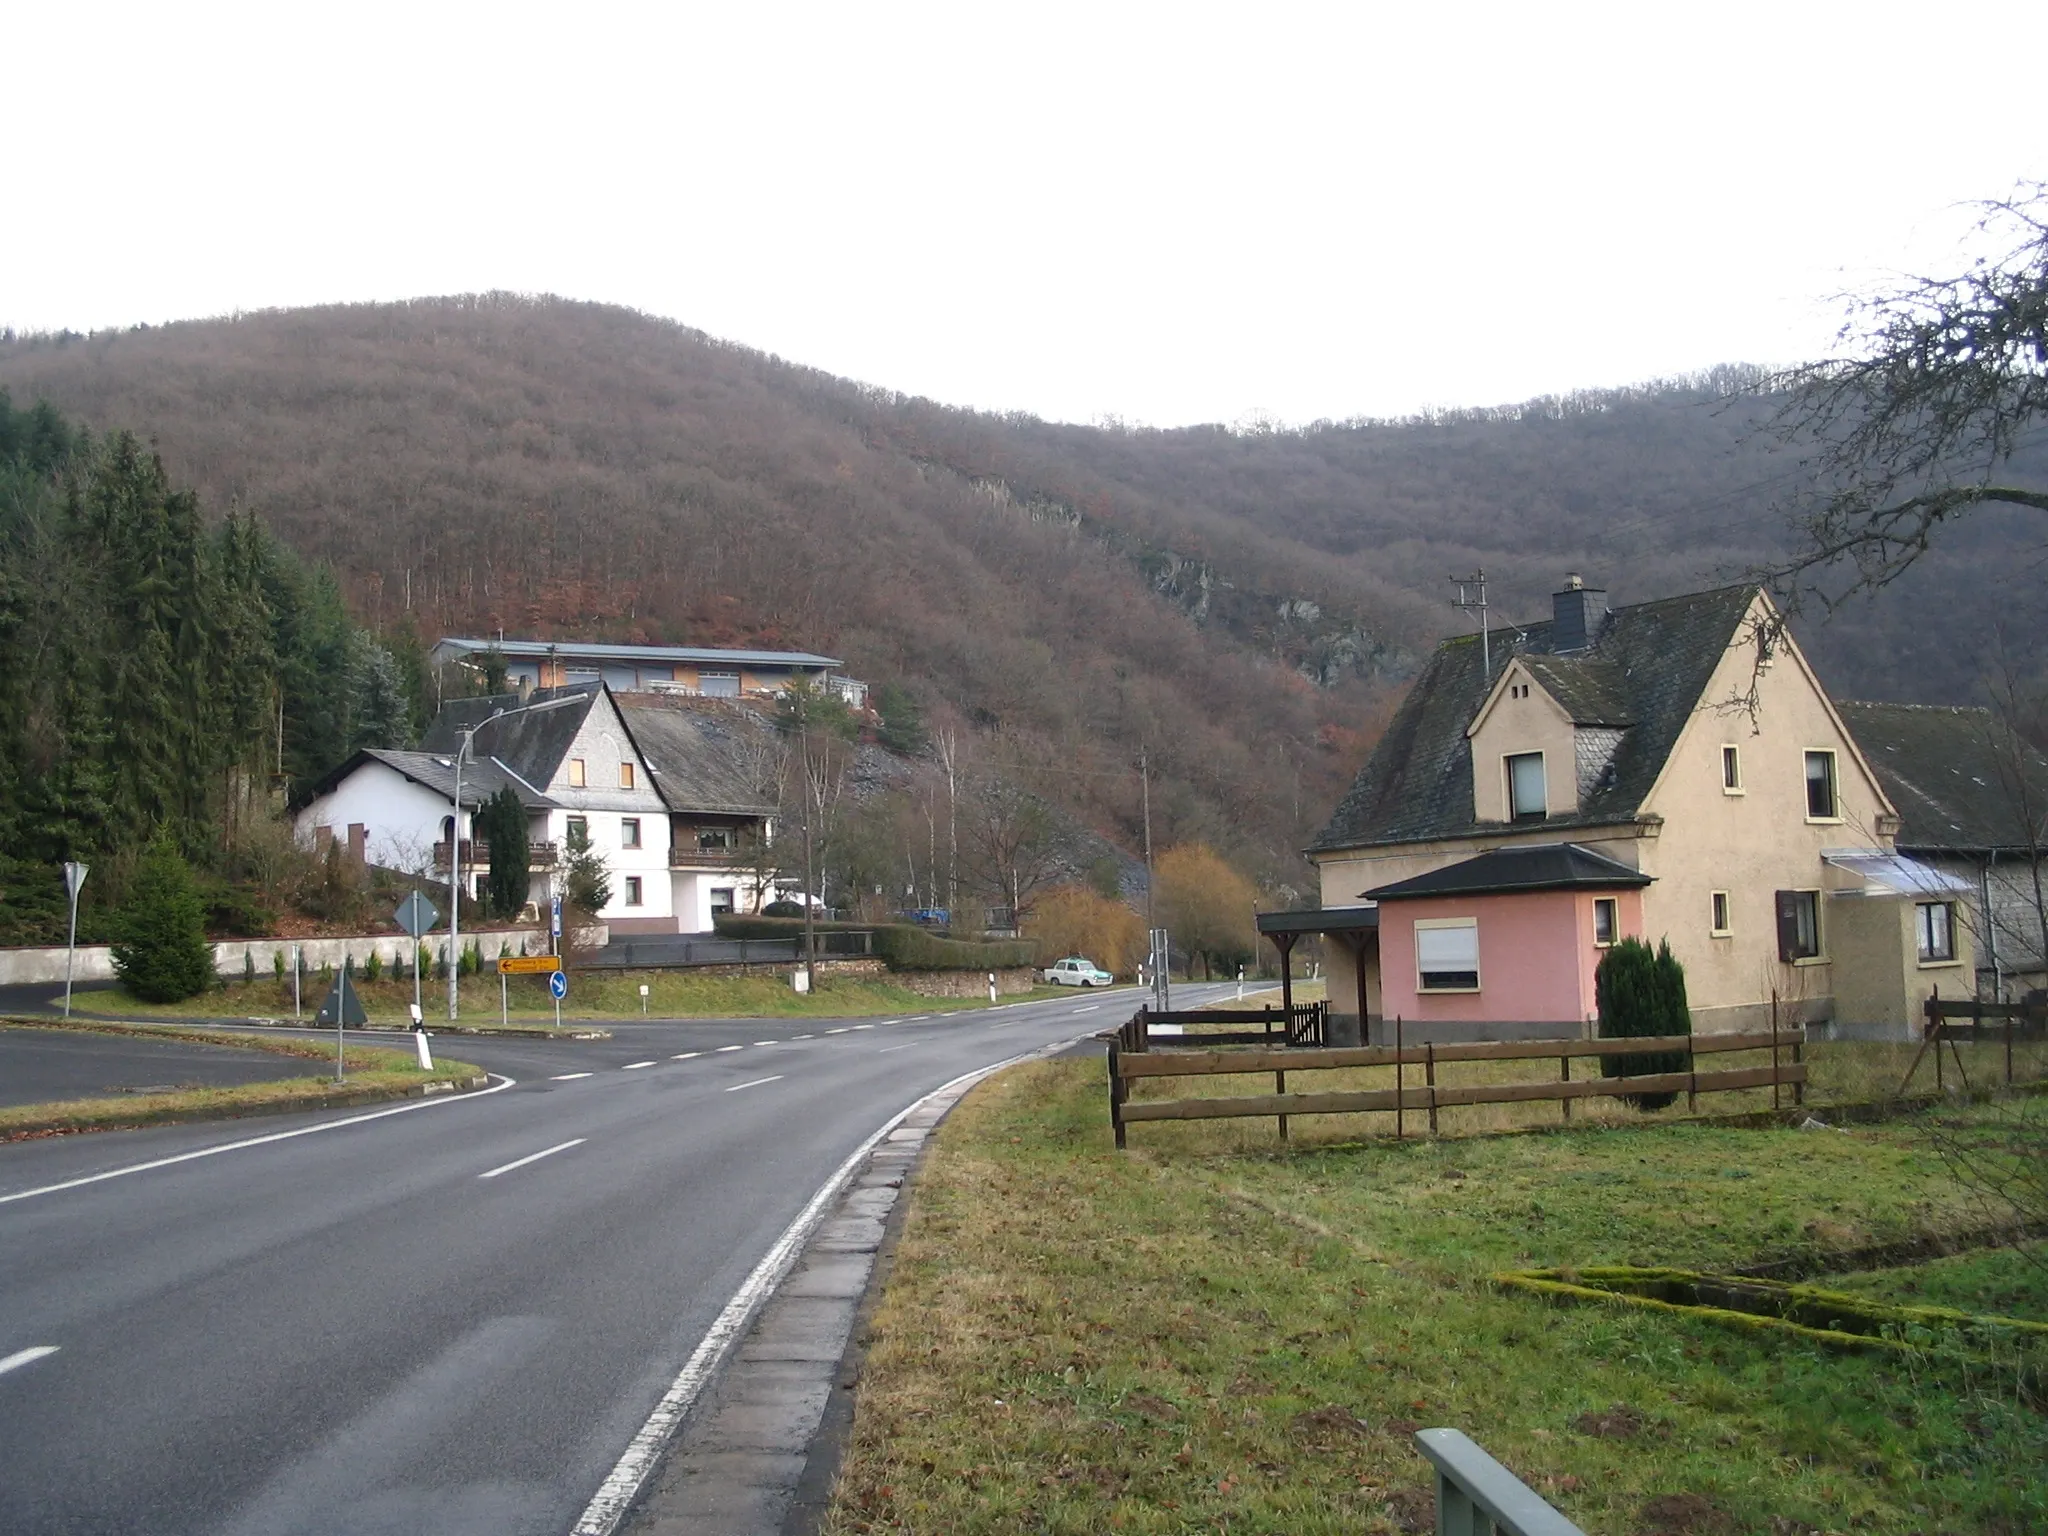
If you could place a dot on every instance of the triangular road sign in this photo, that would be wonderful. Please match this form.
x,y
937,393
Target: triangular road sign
x,y
342,1008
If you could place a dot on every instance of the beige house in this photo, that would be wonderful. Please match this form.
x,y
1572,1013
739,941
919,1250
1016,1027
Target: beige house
x,y
1686,739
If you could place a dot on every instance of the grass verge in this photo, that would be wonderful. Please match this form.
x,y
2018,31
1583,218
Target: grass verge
x,y
612,995
1208,1337
374,1073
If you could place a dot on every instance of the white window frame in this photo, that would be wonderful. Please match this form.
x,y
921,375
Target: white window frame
x,y
1507,765
1834,816
1719,906
1613,907
1921,933
1437,925
1731,758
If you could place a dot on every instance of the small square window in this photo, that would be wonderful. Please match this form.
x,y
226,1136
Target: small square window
x,y
1603,920
576,831
1822,804
1720,904
625,775
1447,956
576,773
632,890
1527,799
629,832
1731,770
1936,922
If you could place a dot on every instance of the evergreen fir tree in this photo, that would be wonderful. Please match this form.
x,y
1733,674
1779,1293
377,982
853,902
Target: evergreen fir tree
x,y
502,823
587,883
1641,992
162,955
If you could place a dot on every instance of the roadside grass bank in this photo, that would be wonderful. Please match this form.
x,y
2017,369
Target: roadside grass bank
x,y
593,996
1198,1336
2005,1282
373,1073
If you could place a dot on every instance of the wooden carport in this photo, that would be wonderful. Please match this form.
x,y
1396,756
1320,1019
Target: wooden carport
x,y
1356,928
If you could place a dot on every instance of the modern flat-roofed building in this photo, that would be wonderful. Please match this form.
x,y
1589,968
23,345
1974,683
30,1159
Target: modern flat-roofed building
x,y
684,669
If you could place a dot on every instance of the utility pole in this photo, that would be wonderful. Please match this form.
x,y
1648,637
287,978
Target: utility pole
x,y
810,877
1471,595
455,884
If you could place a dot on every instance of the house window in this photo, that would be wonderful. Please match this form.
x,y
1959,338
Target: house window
x,y
577,775
1720,904
721,899
625,775
1798,925
714,839
1526,801
1936,922
1731,770
719,685
1447,954
629,832
1821,801
1603,920
576,831
632,890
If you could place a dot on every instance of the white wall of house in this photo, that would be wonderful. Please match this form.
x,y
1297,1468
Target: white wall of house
x,y
641,887
403,819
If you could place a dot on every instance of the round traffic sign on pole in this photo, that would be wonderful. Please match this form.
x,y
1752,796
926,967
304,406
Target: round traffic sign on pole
x,y
558,984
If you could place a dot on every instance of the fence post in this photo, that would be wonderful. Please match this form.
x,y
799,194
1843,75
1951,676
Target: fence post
x,y
1400,1083
2008,1050
1116,1094
1429,1077
1692,1069
1775,1102
1564,1075
1280,1086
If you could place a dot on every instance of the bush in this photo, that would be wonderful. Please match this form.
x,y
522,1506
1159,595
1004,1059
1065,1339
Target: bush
x,y
162,955
782,909
1642,993
373,968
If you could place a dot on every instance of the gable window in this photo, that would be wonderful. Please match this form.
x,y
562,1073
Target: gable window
x,y
1731,770
577,774
1526,797
1798,925
1936,923
1603,921
625,775
1822,804
1447,954
629,832
1720,919
632,890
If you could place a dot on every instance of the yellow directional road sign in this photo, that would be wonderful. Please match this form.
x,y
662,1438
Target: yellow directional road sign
x,y
528,965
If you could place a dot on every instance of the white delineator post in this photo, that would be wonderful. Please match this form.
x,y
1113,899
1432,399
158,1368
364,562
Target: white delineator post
x,y
74,880
991,986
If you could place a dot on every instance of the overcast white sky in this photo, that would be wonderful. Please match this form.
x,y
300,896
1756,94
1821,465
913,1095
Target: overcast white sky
x,y
1164,213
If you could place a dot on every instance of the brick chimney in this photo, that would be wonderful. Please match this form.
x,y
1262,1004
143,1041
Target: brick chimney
x,y
1576,616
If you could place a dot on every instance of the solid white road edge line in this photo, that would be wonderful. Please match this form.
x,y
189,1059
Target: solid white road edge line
x,y
23,1357
533,1157
757,1082
614,1497
258,1141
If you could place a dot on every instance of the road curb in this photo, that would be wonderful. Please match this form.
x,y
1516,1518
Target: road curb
x,y
757,1455
343,1098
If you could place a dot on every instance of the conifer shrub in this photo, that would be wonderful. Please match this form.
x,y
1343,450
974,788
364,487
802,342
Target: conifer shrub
x,y
1641,992
277,964
162,955
373,968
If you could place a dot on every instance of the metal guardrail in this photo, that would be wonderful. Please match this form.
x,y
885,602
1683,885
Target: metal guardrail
x,y
1477,1496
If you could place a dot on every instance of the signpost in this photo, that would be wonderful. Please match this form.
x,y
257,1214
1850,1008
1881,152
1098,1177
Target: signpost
x,y
74,879
558,984
342,1009
530,965
416,915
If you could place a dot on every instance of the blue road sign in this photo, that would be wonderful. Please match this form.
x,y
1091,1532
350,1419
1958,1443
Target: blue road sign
x,y
558,983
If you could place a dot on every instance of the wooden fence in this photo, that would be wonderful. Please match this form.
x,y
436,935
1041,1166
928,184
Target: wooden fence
x,y
1301,1025
1787,1070
1950,1020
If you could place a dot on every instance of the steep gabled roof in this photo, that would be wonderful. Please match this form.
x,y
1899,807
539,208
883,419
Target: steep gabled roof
x,y
1649,666
1511,871
481,777
697,750
532,742
1959,779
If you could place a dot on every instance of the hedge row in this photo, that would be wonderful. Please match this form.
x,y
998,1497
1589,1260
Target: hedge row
x,y
902,946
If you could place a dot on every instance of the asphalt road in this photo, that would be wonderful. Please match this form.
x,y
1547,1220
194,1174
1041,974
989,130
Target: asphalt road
x,y
448,1318
47,1066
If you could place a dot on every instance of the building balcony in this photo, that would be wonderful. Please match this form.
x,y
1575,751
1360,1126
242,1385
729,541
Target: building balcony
x,y
686,857
477,855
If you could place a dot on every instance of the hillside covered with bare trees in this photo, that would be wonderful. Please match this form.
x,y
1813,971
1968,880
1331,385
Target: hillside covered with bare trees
x,y
1243,605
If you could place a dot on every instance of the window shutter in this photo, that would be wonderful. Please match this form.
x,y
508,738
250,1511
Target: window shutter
x,y
1788,925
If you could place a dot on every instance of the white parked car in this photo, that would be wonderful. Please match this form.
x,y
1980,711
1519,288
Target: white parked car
x,y
1077,971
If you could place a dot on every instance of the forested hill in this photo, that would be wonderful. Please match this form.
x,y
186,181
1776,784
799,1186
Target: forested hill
x,y
1243,603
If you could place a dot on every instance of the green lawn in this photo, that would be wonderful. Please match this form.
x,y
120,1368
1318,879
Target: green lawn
x,y
1204,1336
592,995
2005,1282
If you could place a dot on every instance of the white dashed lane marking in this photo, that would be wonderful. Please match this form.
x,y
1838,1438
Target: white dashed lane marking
x,y
685,1055
635,1066
840,1031
568,1077
724,1048
23,1357
757,1082
767,1042
533,1157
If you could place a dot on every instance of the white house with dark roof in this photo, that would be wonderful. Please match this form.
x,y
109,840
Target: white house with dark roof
x,y
1686,741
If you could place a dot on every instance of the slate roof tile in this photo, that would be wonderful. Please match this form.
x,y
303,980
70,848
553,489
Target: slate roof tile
x,y
1959,779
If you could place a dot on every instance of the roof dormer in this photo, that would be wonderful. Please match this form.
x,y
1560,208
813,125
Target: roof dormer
x,y
1545,738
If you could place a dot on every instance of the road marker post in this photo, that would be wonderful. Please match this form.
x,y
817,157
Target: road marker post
x,y
74,879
